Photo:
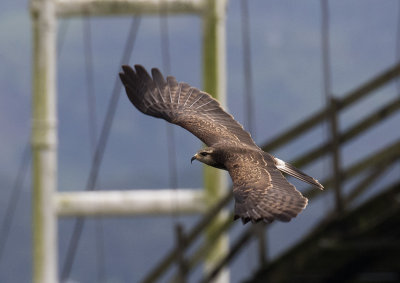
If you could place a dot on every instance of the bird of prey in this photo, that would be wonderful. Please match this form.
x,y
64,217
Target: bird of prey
x,y
260,190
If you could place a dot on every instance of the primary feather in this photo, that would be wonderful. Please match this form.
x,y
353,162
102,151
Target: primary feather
x,y
260,190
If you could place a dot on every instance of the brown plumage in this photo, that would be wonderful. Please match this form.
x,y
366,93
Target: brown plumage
x,y
260,190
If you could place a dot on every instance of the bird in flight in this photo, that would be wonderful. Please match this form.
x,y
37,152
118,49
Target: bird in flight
x,y
260,190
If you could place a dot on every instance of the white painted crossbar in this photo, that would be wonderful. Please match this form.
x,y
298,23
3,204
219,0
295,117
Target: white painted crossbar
x,y
132,202
74,8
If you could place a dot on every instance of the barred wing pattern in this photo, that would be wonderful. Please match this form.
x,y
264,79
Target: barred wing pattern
x,y
183,105
260,190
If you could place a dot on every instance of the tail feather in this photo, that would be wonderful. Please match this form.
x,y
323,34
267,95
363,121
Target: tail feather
x,y
293,171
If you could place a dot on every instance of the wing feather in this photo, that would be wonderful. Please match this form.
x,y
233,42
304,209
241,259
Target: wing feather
x,y
260,190
183,105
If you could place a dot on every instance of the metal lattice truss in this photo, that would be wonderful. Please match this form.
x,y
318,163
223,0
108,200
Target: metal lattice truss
x,y
48,204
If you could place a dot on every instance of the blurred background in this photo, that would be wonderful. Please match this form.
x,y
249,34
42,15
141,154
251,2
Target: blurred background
x,y
304,58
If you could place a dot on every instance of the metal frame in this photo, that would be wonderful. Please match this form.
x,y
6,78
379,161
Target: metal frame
x,y
48,204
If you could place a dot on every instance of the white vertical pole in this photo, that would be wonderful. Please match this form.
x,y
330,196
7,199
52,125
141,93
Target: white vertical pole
x,y
214,74
44,142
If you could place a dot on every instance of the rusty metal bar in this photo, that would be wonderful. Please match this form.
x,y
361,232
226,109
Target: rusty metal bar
x,y
195,232
181,247
364,184
379,115
347,100
335,154
383,155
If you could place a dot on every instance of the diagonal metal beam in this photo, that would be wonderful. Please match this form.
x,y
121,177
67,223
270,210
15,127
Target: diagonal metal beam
x,y
191,236
384,155
349,98
378,116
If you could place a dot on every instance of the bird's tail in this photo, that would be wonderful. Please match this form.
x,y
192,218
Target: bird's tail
x,y
293,171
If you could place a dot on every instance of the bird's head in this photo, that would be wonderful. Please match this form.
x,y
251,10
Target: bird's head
x,y
208,155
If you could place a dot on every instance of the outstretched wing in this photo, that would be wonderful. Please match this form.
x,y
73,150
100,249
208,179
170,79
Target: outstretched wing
x,y
183,105
260,190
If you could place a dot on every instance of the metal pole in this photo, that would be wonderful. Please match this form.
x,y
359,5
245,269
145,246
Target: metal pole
x,y
337,182
44,142
330,101
214,74
181,247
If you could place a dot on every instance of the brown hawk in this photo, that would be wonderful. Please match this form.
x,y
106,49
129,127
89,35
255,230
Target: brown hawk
x,y
260,190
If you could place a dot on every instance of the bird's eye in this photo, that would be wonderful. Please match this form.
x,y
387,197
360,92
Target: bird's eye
x,y
203,153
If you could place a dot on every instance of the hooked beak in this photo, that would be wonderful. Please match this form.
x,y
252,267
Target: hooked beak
x,y
193,158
